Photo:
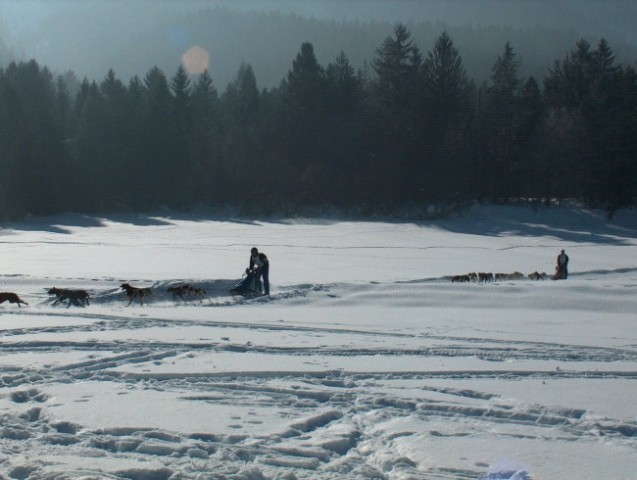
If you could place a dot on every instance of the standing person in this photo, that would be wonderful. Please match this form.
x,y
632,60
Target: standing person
x,y
562,266
260,264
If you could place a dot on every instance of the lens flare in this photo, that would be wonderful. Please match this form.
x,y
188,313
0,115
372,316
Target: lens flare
x,y
195,60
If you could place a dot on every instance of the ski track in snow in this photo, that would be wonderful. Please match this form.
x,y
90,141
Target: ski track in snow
x,y
326,419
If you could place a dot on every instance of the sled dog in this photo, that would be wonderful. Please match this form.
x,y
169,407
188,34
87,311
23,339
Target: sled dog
x,y
11,298
187,290
136,293
79,298
485,277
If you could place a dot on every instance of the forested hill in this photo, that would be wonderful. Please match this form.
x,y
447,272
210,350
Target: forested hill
x,y
412,130
268,41
129,37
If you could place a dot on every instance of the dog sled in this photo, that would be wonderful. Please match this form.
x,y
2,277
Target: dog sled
x,y
248,287
560,273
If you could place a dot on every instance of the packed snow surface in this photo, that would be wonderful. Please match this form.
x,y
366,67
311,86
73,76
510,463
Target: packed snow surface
x,y
366,362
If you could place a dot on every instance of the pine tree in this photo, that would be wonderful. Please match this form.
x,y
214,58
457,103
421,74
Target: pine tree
x,y
135,185
205,97
11,118
501,113
396,65
206,135
161,153
588,91
242,94
38,154
303,122
239,106
534,168
345,133
569,81
448,88
444,107
344,87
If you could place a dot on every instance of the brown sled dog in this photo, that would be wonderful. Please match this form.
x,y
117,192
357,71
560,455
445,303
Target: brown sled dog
x,y
187,290
79,298
11,298
136,293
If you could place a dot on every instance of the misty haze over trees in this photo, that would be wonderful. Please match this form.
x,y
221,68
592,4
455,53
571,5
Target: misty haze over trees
x,y
410,127
91,37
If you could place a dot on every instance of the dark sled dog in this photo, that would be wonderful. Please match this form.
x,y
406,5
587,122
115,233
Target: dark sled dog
x,y
538,276
136,293
79,298
11,298
187,291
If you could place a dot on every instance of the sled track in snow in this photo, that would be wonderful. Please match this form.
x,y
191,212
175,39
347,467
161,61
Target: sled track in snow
x,y
328,398
427,345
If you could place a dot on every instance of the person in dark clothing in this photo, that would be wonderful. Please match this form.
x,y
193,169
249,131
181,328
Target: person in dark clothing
x,y
561,269
260,264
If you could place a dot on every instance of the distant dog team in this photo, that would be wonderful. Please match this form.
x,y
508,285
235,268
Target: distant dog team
x,y
483,277
81,298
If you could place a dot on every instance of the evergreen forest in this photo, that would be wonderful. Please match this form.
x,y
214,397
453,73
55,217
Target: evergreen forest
x,y
409,130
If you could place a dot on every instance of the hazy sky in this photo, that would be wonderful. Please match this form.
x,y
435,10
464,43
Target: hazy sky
x,y
602,14
54,32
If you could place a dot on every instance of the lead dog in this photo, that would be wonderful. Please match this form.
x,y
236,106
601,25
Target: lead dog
x,y
11,298
538,276
136,293
187,290
79,298
485,277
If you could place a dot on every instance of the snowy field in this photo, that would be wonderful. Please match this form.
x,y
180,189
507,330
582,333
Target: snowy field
x,y
366,362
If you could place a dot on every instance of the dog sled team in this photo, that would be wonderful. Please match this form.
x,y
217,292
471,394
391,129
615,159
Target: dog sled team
x,y
561,273
483,277
255,282
81,298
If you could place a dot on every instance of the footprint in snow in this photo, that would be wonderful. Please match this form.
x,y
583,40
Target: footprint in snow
x,y
31,395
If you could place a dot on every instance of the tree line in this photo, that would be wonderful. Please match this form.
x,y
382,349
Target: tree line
x,y
408,130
